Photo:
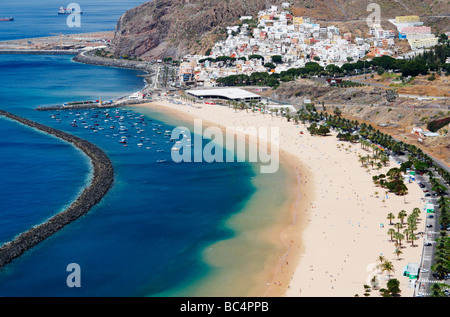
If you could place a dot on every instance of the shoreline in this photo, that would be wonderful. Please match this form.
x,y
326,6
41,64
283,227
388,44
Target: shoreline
x,y
280,235
311,258
101,182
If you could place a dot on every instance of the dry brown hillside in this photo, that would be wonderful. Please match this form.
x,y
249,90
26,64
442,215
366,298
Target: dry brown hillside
x,y
401,123
369,104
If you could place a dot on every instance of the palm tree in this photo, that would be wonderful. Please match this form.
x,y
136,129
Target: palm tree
x,y
398,252
375,157
407,232
391,231
412,219
412,228
399,237
401,215
388,267
288,111
390,216
381,259
416,211
398,226
412,237
362,159
384,159
393,173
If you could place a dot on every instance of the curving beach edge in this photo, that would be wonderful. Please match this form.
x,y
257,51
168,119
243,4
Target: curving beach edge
x,y
336,228
103,178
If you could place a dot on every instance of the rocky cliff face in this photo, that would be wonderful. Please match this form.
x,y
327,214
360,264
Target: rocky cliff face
x,y
172,28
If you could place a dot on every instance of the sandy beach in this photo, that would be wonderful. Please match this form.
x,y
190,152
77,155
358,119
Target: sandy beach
x,y
338,224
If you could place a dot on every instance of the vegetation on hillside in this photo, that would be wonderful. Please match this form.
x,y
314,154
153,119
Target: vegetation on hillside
x,y
431,60
433,126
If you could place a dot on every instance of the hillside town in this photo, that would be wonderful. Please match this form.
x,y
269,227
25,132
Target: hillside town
x,y
275,41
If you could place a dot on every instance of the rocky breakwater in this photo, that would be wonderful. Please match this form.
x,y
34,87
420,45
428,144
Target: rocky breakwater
x,y
102,181
89,58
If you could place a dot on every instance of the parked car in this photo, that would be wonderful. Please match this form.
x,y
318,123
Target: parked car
x,y
428,244
429,226
430,216
423,271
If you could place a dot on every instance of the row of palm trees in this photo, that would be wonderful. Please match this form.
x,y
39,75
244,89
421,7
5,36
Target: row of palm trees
x,y
256,106
187,98
408,231
372,160
379,143
386,265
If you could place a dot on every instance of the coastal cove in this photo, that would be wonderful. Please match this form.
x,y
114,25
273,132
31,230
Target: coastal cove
x,y
252,257
138,218
337,229
216,155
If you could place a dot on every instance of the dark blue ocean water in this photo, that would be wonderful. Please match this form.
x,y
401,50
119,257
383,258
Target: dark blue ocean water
x,y
40,18
147,235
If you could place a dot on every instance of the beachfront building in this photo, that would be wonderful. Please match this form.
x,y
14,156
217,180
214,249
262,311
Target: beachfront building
x,y
227,94
411,270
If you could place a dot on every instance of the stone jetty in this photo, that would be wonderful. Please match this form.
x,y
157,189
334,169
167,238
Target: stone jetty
x,y
102,181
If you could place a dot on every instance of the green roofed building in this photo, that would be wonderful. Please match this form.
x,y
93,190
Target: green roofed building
x,y
411,270
429,208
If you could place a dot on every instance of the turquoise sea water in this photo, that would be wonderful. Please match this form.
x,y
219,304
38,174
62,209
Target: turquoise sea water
x,y
147,235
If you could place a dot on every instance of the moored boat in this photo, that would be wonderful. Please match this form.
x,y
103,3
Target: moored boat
x,y
68,11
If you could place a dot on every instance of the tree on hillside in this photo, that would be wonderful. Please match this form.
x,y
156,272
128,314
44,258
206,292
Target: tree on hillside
x,y
277,59
414,68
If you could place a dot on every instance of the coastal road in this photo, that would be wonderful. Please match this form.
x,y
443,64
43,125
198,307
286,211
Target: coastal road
x,y
431,232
